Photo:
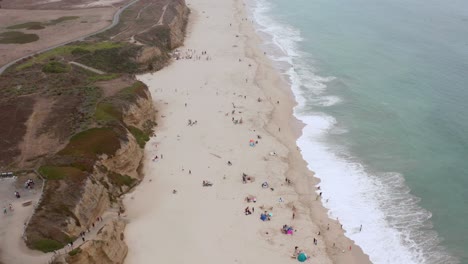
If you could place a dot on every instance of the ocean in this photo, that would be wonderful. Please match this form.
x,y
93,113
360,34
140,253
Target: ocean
x,y
382,87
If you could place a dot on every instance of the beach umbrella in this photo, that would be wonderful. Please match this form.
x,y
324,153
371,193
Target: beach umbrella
x,y
302,257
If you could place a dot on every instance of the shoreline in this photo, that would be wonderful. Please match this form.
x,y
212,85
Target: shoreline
x,y
152,204
318,213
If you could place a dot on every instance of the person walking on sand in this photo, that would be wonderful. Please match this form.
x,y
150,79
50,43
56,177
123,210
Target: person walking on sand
x,y
360,228
4,210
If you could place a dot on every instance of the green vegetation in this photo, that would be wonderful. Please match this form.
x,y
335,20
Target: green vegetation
x,y
113,60
121,180
93,142
139,135
28,25
62,19
55,67
104,77
17,37
107,112
47,245
59,173
68,50
132,93
40,25
74,252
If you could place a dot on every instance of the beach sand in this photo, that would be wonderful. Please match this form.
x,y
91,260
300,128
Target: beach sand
x,y
207,224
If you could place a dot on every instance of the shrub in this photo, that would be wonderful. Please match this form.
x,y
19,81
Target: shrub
x,y
74,252
47,245
139,135
55,67
17,37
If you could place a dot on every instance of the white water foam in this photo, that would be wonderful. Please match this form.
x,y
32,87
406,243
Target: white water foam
x,y
395,228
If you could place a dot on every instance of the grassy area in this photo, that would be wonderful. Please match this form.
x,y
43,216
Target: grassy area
x,y
104,77
113,60
120,180
132,93
56,67
107,112
47,245
62,19
139,135
67,50
28,25
17,37
93,142
74,252
59,173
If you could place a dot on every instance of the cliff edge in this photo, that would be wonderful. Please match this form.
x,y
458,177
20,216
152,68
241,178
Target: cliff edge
x,y
82,120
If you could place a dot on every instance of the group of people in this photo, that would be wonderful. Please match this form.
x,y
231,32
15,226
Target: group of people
x,y
246,178
265,216
190,54
29,184
247,210
191,123
288,230
5,211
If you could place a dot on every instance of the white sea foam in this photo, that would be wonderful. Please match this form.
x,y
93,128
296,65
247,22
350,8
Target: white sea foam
x,y
395,227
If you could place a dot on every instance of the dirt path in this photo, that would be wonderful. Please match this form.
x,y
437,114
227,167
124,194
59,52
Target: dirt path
x,y
87,68
106,218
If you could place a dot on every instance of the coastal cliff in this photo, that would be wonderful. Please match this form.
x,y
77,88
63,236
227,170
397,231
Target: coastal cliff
x,y
98,165
81,121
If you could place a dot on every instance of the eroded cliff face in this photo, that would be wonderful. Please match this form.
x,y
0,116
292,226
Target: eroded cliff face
x,y
100,162
107,248
139,113
177,15
94,201
170,32
93,170
127,159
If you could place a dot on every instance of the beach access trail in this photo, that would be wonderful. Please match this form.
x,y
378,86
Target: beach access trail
x,y
218,97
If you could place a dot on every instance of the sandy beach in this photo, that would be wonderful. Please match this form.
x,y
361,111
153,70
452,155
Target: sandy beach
x,y
225,116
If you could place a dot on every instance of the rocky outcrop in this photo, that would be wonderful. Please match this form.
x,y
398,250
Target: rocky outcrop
x,y
82,185
170,33
127,159
176,17
105,145
138,113
94,201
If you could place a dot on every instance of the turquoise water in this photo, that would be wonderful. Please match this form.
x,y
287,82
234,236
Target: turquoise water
x,y
383,87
